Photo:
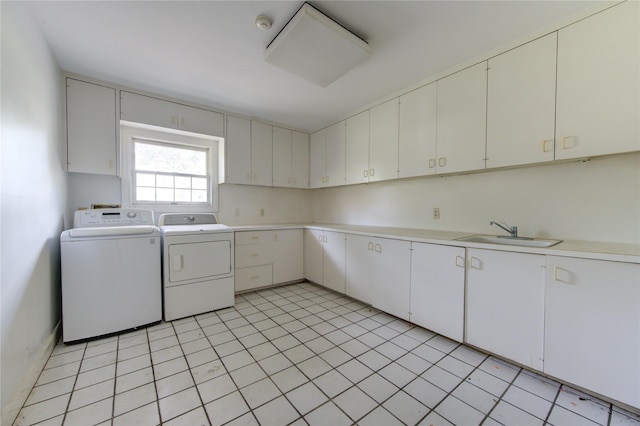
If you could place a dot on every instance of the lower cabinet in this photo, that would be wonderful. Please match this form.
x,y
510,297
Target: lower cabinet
x,y
288,258
437,288
378,272
263,258
505,304
592,326
324,258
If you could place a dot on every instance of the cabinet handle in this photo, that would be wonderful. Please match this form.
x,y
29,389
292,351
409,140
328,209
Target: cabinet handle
x,y
562,275
295,181
320,238
372,172
173,120
460,261
365,173
432,163
254,254
378,248
544,145
571,140
255,176
275,237
327,179
442,161
110,164
475,263
255,237
176,262
253,277
289,180
182,122
370,246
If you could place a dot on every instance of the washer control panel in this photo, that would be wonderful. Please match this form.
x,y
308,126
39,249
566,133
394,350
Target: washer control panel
x,y
112,217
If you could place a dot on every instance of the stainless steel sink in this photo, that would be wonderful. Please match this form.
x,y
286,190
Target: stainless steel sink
x,y
510,241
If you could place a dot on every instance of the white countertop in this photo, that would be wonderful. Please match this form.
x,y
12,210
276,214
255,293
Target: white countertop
x,y
617,252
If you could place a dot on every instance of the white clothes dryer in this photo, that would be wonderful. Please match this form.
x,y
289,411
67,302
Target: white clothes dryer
x,y
111,278
197,264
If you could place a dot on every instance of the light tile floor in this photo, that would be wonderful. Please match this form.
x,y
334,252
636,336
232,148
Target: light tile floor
x,y
298,354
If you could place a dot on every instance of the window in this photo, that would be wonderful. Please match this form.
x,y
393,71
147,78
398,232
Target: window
x,y
168,170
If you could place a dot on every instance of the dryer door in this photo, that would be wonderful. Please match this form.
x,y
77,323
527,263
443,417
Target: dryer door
x,y
190,261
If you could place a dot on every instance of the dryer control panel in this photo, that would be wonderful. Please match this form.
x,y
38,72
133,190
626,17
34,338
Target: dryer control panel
x,y
112,217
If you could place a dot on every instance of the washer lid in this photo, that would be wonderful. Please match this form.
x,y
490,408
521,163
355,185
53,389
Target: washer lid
x,y
111,231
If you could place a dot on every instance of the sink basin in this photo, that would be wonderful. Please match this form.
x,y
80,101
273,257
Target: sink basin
x,y
510,241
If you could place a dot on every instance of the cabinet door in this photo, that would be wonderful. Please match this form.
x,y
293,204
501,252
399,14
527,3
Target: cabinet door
x,y
200,120
313,255
335,157
391,267
592,325
300,159
357,148
318,159
147,110
261,154
91,128
359,270
287,255
461,129
505,304
334,261
598,107
282,157
521,104
417,132
437,288
238,150
383,141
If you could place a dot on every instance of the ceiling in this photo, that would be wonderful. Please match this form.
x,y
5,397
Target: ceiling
x,y
211,52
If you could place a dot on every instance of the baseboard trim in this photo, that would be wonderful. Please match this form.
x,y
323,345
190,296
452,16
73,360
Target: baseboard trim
x,y
11,410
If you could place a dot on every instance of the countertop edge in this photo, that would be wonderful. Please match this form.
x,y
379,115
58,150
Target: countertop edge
x,y
596,250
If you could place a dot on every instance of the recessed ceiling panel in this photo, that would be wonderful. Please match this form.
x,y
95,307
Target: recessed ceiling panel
x,y
316,48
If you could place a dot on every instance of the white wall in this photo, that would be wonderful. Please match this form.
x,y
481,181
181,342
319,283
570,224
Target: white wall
x,y
597,200
281,205
33,202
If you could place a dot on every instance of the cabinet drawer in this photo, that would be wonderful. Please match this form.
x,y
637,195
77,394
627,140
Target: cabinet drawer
x,y
253,277
253,237
253,255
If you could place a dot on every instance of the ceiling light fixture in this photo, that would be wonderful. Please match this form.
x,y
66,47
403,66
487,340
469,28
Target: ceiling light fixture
x,y
316,48
263,22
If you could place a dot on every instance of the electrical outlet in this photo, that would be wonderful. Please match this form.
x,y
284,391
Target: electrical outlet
x,y
237,212
436,213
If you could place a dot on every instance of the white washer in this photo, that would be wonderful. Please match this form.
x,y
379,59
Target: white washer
x,y
197,264
111,278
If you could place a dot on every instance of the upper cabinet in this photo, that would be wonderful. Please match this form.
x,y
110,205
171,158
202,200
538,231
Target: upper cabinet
x,y
318,159
158,112
521,104
238,150
417,132
261,154
290,158
461,122
383,141
327,156
299,160
598,109
357,148
91,128
372,144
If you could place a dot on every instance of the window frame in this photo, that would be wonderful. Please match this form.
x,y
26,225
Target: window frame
x,y
129,132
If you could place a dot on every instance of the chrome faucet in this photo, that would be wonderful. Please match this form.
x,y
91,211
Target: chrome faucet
x,y
513,230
